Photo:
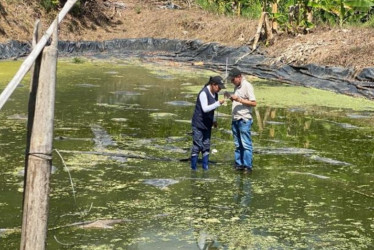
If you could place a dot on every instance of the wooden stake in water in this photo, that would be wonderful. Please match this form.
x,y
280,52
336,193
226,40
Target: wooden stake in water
x,y
226,75
32,96
36,193
225,95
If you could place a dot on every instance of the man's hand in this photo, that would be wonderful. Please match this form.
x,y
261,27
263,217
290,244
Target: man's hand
x,y
215,124
235,98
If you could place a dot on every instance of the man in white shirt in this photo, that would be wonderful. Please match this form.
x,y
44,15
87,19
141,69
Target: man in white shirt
x,y
243,100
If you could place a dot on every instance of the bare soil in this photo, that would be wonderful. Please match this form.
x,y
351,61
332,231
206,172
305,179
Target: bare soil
x,y
104,20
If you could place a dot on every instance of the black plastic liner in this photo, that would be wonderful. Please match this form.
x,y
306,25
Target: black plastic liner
x,y
214,56
14,49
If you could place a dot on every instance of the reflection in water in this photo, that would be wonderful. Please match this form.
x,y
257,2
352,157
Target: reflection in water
x,y
243,195
102,138
160,183
201,196
180,103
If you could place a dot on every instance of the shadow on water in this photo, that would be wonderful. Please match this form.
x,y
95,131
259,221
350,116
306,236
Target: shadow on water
x,y
115,125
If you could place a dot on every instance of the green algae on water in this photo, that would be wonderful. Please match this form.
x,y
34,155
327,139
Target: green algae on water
x,y
285,203
295,96
275,94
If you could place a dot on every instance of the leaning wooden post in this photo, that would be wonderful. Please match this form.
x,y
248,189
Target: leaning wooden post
x,y
268,30
35,207
258,32
35,70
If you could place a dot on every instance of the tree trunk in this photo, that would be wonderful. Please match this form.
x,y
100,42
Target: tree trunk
x,y
309,14
275,11
268,30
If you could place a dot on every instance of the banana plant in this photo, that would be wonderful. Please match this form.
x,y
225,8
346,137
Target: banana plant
x,y
343,9
293,16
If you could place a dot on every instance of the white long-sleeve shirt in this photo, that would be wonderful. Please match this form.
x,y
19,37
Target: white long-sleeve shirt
x,y
204,101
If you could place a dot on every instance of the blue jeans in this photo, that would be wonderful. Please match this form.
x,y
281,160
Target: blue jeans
x,y
241,131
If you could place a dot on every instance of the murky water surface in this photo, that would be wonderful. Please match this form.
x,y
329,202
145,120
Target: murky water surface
x,y
123,132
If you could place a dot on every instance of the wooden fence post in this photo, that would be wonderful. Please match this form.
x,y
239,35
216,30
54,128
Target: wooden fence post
x,y
35,207
35,70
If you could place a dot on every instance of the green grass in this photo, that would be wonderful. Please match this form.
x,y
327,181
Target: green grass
x,y
78,60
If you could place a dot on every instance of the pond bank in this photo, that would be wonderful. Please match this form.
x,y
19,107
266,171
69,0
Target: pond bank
x,y
214,56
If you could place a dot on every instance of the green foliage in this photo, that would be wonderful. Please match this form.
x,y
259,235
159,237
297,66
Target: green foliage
x,y
330,12
210,6
281,19
138,9
77,9
246,8
370,23
78,60
343,10
50,5
253,11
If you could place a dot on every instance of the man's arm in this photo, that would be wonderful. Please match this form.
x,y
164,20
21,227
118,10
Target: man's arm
x,y
245,102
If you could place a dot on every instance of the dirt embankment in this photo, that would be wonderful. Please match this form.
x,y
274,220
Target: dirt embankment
x,y
350,47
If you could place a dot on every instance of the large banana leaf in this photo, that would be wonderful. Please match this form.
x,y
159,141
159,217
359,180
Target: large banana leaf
x,y
342,8
359,3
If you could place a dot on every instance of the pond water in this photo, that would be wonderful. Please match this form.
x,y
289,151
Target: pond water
x,y
122,132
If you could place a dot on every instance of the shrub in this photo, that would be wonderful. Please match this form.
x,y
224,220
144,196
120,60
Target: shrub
x,y
78,60
50,5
